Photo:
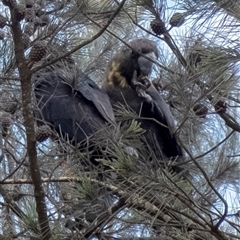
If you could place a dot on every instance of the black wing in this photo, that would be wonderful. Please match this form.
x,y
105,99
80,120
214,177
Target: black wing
x,y
156,119
97,96
162,113
161,108
75,113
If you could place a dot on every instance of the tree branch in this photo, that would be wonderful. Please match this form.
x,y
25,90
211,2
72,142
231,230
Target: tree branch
x,y
26,86
94,37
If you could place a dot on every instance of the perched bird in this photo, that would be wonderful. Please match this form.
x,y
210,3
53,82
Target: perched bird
x,y
127,67
77,109
121,68
71,103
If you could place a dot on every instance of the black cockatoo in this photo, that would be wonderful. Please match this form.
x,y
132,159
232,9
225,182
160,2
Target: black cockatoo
x,y
125,71
131,68
71,103
77,109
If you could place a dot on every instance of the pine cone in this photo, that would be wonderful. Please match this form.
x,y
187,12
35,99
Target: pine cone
x,y
2,35
30,14
43,133
158,26
177,19
38,51
220,106
3,21
26,41
19,12
30,29
200,110
5,121
29,3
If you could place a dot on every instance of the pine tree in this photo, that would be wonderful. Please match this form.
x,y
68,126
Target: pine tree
x,y
48,188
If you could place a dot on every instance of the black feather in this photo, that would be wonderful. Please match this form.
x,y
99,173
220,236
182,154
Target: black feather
x,y
156,116
156,119
75,112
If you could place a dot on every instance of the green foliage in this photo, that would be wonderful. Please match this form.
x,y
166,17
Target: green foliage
x,y
130,194
30,218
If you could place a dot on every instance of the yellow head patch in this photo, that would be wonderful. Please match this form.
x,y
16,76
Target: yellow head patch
x,y
114,76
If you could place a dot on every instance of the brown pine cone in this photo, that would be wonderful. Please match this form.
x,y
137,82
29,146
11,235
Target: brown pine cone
x,y
38,51
30,29
30,14
43,133
177,19
26,41
220,106
158,26
200,110
5,121
3,21
29,3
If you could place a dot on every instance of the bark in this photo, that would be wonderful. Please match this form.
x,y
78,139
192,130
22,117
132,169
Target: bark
x,y
26,87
